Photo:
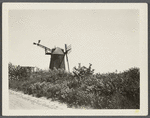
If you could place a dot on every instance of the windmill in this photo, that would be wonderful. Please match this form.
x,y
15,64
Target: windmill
x,y
57,55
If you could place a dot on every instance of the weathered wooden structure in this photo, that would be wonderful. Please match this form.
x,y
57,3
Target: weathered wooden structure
x,y
57,56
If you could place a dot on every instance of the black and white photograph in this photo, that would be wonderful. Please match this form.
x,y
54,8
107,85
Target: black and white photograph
x,y
75,59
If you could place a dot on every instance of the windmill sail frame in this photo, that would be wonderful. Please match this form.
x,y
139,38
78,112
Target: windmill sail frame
x,y
57,56
66,51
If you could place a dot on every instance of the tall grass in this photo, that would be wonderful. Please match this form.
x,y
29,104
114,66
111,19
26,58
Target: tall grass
x,y
83,88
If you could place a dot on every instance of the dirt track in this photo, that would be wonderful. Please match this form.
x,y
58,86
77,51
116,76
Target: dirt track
x,y
18,100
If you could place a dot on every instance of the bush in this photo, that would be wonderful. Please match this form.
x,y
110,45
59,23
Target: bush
x,y
83,71
18,72
84,88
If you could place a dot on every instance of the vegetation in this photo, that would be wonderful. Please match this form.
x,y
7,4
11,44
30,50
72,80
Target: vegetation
x,y
82,88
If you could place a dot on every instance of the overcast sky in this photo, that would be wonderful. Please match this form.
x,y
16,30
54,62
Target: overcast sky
x,y
108,39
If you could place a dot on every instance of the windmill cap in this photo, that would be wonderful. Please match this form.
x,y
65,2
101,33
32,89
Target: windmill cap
x,y
58,51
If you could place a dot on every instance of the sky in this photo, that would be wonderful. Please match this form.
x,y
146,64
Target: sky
x,y
108,39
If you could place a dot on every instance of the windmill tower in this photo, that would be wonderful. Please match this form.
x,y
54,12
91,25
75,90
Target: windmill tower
x,y
57,56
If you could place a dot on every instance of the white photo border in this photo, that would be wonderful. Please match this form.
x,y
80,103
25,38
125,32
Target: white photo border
x,y
143,13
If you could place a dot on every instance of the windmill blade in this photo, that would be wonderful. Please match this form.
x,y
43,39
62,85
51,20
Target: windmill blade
x,y
67,62
68,47
42,46
67,57
69,51
39,41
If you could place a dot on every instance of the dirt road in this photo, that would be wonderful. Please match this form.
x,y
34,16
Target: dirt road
x,y
18,100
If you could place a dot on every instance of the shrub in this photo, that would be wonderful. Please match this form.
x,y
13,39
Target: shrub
x,y
83,71
18,72
84,88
